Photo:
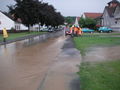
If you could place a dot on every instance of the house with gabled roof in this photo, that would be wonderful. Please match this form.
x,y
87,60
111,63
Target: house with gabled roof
x,y
116,26
95,16
6,21
91,15
111,15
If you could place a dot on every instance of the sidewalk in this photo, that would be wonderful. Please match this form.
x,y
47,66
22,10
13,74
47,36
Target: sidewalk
x,y
63,73
42,36
19,39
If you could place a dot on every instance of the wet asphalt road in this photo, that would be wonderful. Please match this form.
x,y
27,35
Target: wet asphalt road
x,y
50,65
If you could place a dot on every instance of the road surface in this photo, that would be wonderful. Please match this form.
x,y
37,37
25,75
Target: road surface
x,y
50,65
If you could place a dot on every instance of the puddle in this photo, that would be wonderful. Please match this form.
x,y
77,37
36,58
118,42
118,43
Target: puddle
x,y
102,54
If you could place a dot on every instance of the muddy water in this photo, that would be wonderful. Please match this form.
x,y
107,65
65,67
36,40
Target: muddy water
x,y
62,74
23,65
102,54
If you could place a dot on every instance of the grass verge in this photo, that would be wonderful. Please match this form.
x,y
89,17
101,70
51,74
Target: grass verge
x,y
18,35
91,40
98,75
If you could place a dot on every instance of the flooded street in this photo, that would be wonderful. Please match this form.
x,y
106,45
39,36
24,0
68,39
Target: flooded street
x,y
27,66
46,64
22,68
63,74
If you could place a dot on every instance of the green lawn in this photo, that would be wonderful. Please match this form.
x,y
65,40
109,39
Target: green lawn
x,y
98,75
17,35
91,40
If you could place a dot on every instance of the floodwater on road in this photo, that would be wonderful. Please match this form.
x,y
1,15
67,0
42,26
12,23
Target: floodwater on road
x,y
30,65
62,75
23,66
102,54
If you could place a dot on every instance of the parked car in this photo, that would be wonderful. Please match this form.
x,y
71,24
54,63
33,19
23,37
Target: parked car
x,y
51,29
104,29
87,30
44,29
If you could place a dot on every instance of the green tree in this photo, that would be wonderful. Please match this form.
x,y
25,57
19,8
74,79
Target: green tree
x,y
82,22
33,12
26,11
69,20
87,22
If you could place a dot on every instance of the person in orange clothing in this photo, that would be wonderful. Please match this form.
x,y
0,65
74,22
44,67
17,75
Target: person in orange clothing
x,y
75,31
80,32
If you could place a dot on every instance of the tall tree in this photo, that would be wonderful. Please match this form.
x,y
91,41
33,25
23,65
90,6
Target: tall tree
x,y
33,12
70,20
26,11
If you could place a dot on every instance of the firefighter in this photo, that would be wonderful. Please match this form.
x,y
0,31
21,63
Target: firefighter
x,y
80,32
75,31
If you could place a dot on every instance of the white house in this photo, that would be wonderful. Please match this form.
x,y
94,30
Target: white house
x,y
95,16
111,15
91,15
116,26
8,23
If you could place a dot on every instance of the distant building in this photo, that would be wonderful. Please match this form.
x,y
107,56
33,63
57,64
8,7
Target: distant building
x,y
111,15
7,22
76,21
95,16
91,15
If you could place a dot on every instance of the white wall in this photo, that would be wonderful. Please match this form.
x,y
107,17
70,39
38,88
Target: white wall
x,y
107,20
22,27
19,26
6,22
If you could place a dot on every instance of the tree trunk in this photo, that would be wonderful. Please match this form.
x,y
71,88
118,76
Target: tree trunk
x,y
39,27
29,28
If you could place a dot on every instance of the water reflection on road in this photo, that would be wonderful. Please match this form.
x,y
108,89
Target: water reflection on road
x,y
23,64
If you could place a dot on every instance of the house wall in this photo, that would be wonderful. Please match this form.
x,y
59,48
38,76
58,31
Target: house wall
x,y
117,11
113,22
5,22
107,20
116,26
22,27
19,26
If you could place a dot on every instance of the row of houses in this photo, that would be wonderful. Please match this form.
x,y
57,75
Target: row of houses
x,y
7,21
110,16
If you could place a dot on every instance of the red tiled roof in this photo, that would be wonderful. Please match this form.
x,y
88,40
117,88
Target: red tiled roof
x,y
93,15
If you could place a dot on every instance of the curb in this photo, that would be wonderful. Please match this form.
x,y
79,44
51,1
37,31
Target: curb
x,y
48,35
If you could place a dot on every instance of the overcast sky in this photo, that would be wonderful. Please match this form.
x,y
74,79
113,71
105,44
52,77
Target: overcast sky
x,y
69,7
